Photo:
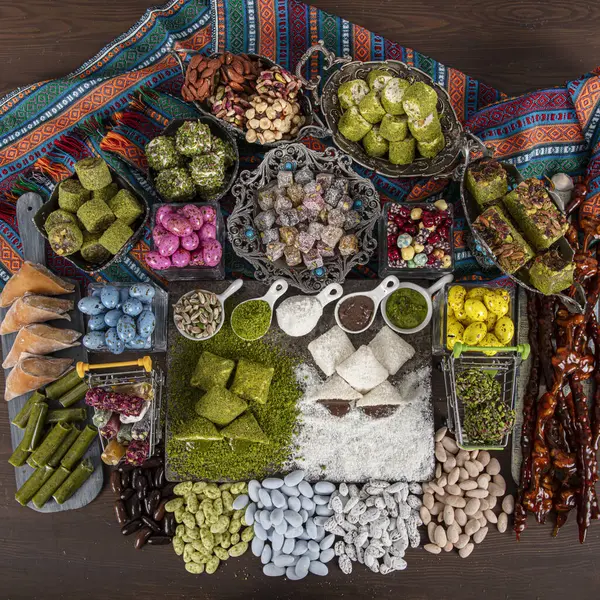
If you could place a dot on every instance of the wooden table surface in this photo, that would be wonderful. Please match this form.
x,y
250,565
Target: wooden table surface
x,y
515,45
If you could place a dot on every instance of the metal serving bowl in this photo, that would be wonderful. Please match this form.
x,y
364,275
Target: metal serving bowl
x,y
245,238
442,164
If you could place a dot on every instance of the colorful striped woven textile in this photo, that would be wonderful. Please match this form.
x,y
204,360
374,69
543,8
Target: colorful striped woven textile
x,y
129,91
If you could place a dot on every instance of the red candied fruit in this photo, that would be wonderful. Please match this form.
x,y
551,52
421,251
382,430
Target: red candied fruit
x,y
430,259
434,238
393,254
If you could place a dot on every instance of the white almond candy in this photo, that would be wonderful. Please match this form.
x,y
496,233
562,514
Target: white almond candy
x,y
453,475
436,488
440,536
472,506
493,467
479,536
438,469
432,548
492,500
490,515
462,457
508,504
294,478
472,470
436,509
484,458
440,433
477,493
463,474
456,501
448,547
431,528
442,481
466,551
450,445
454,489
440,452
483,481
477,464
453,533
474,454
485,504
428,500
502,522
448,515
472,526
482,521
449,464
425,515
495,490
468,485
500,482
460,516
463,540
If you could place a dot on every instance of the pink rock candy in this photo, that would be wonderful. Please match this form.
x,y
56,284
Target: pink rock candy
x,y
193,215
208,232
181,258
190,242
155,261
163,211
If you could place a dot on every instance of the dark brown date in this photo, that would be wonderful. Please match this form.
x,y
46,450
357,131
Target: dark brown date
x,y
150,523
140,483
135,476
115,482
153,501
152,462
125,467
120,512
159,513
126,479
142,537
169,524
141,494
135,508
159,540
168,490
159,477
132,527
126,494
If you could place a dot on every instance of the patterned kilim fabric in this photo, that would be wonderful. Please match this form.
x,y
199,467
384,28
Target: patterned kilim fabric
x,y
126,94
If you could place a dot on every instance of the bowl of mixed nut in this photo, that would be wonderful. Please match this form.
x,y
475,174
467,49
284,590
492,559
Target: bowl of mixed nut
x,y
253,96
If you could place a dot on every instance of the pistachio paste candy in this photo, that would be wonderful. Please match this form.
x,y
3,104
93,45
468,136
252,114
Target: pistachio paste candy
x,y
427,129
433,148
220,406
65,239
59,217
93,173
193,138
105,193
116,236
161,153
374,143
245,428
92,250
196,429
403,152
175,184
419,100
352,92
72,195
353,126
126,207
95,216
377,79
252,381
392,95
394,128
211,371
370,108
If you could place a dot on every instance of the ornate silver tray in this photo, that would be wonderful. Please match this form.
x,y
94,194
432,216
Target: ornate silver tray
x,y
245,238
521,277
442,164
312,127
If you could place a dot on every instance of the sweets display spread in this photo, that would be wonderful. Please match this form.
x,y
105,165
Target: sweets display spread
x,y
392,117
95,217
263,101
193,162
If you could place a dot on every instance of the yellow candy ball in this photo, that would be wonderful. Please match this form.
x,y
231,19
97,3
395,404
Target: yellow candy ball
x,y
459,313
476,293
504,293
454,334
450,313
496,303
456,296
474,333
504,330
476,310
490,322
490,340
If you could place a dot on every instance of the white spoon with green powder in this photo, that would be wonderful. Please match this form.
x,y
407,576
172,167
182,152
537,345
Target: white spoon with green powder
x,y
251,319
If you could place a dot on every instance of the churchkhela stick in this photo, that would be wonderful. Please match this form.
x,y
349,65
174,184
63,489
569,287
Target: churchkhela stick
x,y
42,454
27,491
79,448
35,426
55,459
22,416
74,481
67,415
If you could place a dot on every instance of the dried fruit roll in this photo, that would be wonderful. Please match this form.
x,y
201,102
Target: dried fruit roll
x,y
74,481
19,456
22,416
79,448
35,426
66,415
50,444
61,386
28,490
45,492
74,395
55,459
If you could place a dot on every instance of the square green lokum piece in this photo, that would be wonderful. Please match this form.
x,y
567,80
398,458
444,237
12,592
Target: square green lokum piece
x,y
95,216
220,406
252,381
125,206
116,236
211,371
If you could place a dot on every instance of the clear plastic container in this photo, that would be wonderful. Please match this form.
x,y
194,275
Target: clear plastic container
x,y
425,272
159,306
193,273
440,314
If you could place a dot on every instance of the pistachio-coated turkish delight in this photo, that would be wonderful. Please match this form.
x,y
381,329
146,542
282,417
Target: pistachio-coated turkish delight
x,y
193,138
352,92
427,129
220,405
95,216
126,206
208,173
393,128
403,152
92,250
433,148
196,429
175,184
353,126
161,153
252,381
374,144
245,428
116,236
392,95
378,79
550,273
487,181
419,100
223,150
105,193
65,239
371,109
72,195
59,217
93,173
212,370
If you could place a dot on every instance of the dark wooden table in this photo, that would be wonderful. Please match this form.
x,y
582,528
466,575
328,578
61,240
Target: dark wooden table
x,y
515,45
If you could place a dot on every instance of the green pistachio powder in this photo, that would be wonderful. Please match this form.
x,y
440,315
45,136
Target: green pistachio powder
x,y
277,418
251,320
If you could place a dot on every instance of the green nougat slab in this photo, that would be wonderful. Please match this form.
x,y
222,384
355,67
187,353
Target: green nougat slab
x,y
353,126
350,93
419,100
66,415
374,144
116,236
126,206
371,109
394,128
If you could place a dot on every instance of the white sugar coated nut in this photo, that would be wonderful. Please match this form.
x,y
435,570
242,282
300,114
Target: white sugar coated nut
x,y
453,533
294,478
450,445
448,547
440,536
490,515
460,516
502,522
472,506
472,526
508,504
500,482
479,536
466,551
495,490
448,515
432,548
425,515
463,540
493,467
468,485
484,458
440,433
454,490
440,452
453,475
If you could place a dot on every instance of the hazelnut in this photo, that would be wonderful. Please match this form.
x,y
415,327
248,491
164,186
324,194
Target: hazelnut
x,y
415,213
418,247
408,253
441,204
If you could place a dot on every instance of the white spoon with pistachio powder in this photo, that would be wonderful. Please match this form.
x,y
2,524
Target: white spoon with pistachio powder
x,y
299,315
251,319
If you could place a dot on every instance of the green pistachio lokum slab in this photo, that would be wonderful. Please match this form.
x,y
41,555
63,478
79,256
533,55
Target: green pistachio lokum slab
x,y
72,195
93,173
394,128
211,371
370,108
220,406
374,143
551,274
105,193
126,207
116,236
352,92
95,216
403,152
392,95
252,381
353,126
419,100
378,78
175,184
433,148
245,428
427,129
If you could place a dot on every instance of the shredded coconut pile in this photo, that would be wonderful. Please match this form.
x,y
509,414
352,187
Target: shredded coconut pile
x,y
357,447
